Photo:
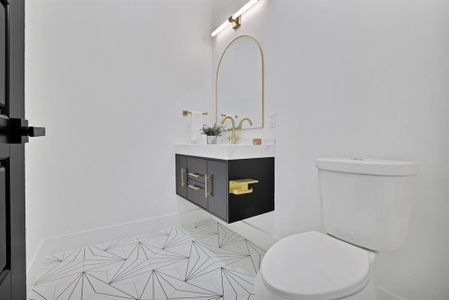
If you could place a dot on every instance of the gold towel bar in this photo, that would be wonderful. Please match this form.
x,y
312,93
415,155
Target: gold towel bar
x,y
241,186
186,113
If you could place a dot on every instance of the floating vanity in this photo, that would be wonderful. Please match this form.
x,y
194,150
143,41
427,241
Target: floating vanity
x,y
232,182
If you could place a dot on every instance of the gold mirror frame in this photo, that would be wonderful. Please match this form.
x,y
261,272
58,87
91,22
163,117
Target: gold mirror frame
x,y
262,62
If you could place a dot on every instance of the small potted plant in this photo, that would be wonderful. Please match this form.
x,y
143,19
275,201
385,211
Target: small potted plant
x,y
212,132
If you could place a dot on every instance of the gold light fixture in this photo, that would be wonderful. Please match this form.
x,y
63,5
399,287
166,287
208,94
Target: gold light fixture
x,y
236,19
235,23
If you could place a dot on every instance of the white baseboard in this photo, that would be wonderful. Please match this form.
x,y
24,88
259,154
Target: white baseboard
x,y
383,294
109,233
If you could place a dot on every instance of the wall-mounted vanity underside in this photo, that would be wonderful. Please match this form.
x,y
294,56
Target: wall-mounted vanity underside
x,y
232,190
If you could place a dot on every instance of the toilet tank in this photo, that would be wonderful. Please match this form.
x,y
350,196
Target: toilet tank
x,y
367,202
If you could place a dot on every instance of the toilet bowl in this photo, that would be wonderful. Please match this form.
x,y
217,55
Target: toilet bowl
x,y
366,208
315,266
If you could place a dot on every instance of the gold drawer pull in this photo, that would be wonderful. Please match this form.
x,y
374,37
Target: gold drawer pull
x,y
241,186
194,187
183,181
195,175
206,186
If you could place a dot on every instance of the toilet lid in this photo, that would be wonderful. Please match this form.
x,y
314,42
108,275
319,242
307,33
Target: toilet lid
x,y
313,265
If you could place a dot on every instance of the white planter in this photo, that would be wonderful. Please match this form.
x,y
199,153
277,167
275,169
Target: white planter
x,y
211,139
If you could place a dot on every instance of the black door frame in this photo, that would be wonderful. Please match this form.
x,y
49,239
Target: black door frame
x,y
13,276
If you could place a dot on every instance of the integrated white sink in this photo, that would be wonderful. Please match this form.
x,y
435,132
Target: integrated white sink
x,y
226,151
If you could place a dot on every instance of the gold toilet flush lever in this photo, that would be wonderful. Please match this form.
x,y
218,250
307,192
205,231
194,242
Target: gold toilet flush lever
x,y
241,186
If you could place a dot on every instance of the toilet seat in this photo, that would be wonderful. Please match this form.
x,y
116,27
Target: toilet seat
x,y
313,265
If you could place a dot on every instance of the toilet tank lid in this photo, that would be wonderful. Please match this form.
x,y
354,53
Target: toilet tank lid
x,y
368,166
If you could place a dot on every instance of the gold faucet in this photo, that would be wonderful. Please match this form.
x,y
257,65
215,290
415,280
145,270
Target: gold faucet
x,y
233,139
243,120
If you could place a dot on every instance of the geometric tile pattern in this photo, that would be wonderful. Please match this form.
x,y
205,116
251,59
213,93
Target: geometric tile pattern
x,y
204,260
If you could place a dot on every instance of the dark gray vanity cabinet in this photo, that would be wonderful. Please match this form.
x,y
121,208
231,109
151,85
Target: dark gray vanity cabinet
x,y
232,190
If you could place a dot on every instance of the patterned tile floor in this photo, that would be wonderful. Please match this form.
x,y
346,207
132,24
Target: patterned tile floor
x,y
201,261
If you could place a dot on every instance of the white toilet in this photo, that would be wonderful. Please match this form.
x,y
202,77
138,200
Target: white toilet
x,y
366,206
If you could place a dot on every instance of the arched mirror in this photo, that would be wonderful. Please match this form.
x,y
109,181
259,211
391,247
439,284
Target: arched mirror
x,y
239,84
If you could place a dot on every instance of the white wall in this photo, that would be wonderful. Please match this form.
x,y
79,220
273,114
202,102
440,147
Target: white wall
x,y
359,79
109,78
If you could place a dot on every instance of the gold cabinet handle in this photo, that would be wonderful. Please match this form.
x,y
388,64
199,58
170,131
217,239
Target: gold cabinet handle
x,y
195,175
208,180
206,186
183,182
194,187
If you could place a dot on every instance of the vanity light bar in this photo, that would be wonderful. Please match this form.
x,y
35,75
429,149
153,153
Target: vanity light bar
x,y
244,8
234,20
220,28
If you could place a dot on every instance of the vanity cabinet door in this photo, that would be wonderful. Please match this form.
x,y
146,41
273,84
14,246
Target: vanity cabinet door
x,y
181,176
196,172
197,168
196,194
217,188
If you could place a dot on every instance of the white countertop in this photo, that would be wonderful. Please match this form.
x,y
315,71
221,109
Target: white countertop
x,y
226,151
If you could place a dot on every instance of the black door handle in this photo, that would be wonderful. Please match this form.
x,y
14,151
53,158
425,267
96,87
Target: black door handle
x,y
17,131
33,131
